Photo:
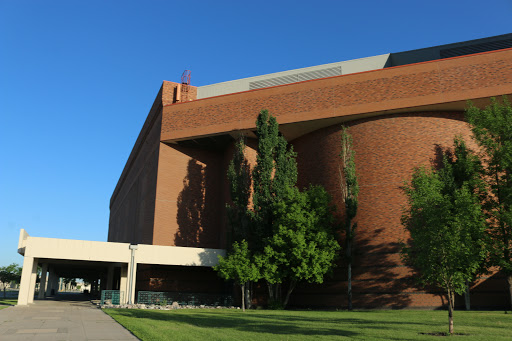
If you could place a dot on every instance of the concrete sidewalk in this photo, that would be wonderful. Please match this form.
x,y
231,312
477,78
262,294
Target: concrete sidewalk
x,y
59,320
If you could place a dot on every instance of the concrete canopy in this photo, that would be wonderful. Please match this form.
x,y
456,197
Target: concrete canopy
x,y
81,258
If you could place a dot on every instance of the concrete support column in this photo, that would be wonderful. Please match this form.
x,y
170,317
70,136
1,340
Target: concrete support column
x,y
110,277
123,287
42,283
132,274
52,283
133,280
51,275
29,268
55,284
33,279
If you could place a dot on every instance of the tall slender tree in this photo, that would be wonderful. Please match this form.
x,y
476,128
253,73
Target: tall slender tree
x,y
239,178
492,130
350,191
239,214
274,175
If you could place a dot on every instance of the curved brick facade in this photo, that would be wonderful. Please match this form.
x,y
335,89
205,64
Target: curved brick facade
x,y
387,150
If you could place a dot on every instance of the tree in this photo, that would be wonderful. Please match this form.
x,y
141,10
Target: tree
x,y
239,267
303,246
239,178
492,130
288,234
10,273
350,190
446,226
239,215
274,175
466,169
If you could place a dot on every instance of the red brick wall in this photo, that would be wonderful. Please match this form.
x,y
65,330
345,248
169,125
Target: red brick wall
x,y
189,198
430,83
387,149
132,208
192,191
173,93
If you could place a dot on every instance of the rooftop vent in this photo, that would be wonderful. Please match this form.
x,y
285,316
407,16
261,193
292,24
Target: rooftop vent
x,y
297,77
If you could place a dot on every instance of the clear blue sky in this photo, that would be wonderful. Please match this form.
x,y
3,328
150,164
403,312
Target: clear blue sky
x,y
77,79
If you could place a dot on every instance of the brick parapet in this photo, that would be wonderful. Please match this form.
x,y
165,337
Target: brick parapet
x,y
409,86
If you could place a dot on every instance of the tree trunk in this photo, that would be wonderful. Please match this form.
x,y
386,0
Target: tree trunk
x,y
4,290
248,296
270,291
467,297
349,266
251,290
277,293
509,280
450,312
290,289
242,286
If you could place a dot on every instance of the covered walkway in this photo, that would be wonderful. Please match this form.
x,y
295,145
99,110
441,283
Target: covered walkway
x,y
107,265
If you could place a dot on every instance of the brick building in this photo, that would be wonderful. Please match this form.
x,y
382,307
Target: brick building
x,y
400,107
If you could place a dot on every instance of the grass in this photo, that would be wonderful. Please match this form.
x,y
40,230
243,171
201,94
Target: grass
x,y
6,302
201,324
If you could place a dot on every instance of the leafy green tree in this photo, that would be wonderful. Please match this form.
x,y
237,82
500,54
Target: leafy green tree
x,y
447,231
303,246
239,267
286,236
466,169
492,130
274,175
350,190
10,273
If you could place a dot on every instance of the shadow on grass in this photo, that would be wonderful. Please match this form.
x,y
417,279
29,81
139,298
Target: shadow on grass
x,y
366,323
8,301
268,323
443,334
245,323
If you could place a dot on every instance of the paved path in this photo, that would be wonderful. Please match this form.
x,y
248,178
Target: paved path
x,y
59,320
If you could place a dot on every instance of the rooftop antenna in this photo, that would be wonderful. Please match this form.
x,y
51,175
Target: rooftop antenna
x,y
185,78
185,83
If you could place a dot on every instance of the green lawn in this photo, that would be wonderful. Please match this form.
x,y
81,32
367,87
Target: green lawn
x,y
6,302
203,324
